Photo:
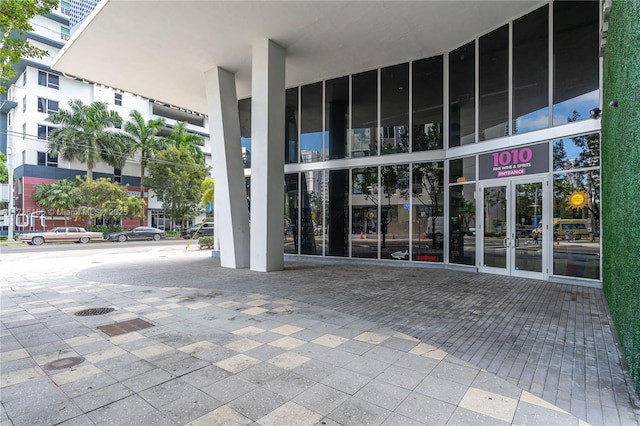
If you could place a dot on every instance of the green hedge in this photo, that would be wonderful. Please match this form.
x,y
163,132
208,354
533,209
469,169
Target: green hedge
x,y
621,179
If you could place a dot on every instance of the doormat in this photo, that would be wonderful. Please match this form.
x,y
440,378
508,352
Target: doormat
x,y
123,327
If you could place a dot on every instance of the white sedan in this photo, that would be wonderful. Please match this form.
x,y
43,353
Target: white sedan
x,y
71,233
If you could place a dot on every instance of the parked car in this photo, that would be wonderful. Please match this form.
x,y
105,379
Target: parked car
x,y
202,229
70,233
138,233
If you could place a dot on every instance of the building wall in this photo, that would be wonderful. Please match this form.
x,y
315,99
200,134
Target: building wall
x,y
406,150
621,165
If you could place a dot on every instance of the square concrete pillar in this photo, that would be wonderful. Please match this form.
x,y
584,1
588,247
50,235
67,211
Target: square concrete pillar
x,y
267,156
230,206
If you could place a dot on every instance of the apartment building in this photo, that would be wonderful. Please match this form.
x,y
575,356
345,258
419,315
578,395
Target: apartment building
x,y
38,91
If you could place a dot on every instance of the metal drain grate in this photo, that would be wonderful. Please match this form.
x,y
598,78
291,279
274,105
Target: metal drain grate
x,y
94,311
123,327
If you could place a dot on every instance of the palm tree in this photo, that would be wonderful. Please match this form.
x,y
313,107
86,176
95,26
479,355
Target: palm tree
x,y
208,193
180,138
143,137
58,196
87,134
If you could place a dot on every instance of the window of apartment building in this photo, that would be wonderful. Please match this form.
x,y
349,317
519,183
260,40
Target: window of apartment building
x,y
44,132
47,105
117,175
64,33
48,80
65,8
24,103
117,99
24,130
47,160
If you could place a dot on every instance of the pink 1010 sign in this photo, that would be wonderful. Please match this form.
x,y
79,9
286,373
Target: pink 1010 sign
x,y
515,162
516,157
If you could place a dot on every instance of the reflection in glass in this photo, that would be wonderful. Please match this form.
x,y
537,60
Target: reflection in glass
x,y
338,213
577,152
493,108
291,234
495,240
462,170
427,190
244,112
394,215
291,129
311,143
427,104
337,116
576,64
576,228
394,109
364,114
311,225
529,212
364,212
462,111
462,224
531,71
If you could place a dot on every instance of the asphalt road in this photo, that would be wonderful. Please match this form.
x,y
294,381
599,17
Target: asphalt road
x,y
69,248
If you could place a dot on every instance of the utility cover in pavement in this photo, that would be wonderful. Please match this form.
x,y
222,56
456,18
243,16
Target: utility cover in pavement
x,y
94,311
125,327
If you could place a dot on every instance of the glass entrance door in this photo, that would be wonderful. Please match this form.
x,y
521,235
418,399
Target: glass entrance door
x,y
511,240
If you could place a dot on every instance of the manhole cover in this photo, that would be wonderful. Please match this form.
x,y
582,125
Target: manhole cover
x,y
60,364
94,311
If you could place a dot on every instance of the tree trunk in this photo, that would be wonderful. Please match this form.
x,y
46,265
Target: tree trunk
x,y
142,221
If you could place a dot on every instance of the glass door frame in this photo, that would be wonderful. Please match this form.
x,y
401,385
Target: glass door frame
x,y
511,219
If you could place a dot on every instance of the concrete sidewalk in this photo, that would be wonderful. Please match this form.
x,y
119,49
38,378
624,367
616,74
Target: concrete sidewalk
x,y
203,345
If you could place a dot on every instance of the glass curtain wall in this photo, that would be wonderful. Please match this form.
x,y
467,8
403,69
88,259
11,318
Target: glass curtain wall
x,y
427,100
291,219
311,140
311,212
462,211
394,109
244,113
291,128
364,212
462,95
338,213
575,55
397,211
394,212
337,116
364,114
493,85
427,192
576,206
531,71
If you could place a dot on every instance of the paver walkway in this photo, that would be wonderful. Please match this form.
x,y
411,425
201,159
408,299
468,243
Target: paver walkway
x,y
314,344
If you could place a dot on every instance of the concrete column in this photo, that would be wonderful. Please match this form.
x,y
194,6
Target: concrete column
x,y
267,156
230,206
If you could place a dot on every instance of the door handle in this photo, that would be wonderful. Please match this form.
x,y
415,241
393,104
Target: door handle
x,y
516,240
506,242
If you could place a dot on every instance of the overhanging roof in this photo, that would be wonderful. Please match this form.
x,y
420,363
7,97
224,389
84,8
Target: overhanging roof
x,y
160,49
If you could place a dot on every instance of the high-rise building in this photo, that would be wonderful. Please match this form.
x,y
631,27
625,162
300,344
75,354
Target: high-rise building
x,y
78,10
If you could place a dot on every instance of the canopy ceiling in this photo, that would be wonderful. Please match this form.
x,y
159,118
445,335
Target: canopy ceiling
x,y
160,49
